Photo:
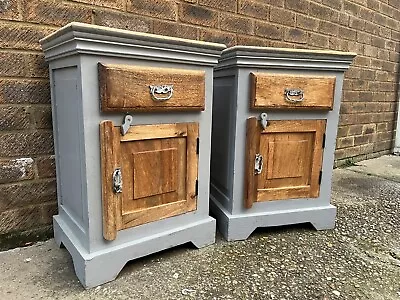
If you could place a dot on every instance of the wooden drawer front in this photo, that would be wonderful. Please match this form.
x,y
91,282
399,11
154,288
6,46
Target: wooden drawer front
x,y
291,92
158,164
128,88
291,154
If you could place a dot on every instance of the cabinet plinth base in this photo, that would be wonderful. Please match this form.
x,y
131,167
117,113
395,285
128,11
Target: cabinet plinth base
x,y
103,266
240,226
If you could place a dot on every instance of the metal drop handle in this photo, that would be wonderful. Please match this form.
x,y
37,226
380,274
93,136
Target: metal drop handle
x,y
258,164
117,181
294,95
161,89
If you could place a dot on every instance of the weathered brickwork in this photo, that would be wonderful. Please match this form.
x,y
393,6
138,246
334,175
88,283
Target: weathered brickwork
x,y
371,28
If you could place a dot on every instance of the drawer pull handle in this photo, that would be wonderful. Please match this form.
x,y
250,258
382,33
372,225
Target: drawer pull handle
x,y
161,89
290,93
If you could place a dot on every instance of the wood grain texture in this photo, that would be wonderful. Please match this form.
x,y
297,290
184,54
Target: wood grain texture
x,y
109,147
292,155
157,131
125,88
268,91
252,148
159,173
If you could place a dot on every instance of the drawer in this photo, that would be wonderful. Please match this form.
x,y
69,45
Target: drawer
x,y
126,88
284,91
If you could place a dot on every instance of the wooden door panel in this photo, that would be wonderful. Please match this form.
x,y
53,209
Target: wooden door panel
x,y
154,172
157,172
292,159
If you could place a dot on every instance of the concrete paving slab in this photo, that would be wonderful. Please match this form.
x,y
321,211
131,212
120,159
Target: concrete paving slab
x,y
387,166
359,259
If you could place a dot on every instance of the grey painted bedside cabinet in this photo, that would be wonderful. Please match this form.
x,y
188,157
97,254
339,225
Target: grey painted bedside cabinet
x,y
276,113
132,131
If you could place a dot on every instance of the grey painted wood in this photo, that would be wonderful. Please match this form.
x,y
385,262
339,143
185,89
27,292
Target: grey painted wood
x,y
73,54
227,184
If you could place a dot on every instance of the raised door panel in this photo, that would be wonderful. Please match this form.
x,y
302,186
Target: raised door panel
x,y
159,173
291,154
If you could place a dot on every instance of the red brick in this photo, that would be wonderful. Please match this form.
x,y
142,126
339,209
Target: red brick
x,y
318,40
306,22
174,29
363,37
371,28
254,9
215,36
369,128
198,15
282,16
323,12
342,131
223,5
122,21
159,9
21,37
117,4
9,10
269,31
15,64
355,129
252,41
347,33
13,170
336,4
338,44
46,167
42,117
14,118
18,195
55,13
328,28
296,35
236,24
374,4
351,8
345,142
297,5
26,143
27,218
24,91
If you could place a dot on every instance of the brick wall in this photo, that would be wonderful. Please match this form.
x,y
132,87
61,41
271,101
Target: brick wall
x,y
369,27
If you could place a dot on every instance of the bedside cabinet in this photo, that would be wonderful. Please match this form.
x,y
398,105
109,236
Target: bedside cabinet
x,y
132,131
273,139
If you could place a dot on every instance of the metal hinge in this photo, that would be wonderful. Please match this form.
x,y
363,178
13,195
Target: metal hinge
x,y
197,188
320,177
126,123
323,141
198,146
258,164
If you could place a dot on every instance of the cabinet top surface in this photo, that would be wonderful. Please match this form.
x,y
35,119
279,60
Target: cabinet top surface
x,y
104,33
270,51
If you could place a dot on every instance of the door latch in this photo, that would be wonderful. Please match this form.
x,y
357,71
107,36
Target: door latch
x,y
126,124
263,120
258,164
117,181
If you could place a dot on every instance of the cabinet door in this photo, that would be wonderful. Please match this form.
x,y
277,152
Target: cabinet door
x,y
284,160
158,168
